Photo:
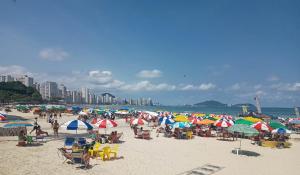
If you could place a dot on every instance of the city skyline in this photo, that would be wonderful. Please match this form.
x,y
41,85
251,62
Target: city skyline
x,y
176,52
52,91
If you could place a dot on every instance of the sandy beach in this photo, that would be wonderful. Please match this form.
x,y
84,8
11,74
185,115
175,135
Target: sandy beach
x,y
159,156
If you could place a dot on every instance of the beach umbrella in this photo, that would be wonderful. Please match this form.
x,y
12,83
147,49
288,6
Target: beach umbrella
x,y
194,120
165,121
252,119
223,123
206,122
297,122
16,124
210,118
82,113
244,129
77,125
95,120
137,121
181,118
262,126
2,117
243,122
151,113
275,125
181,125
281,131
106,123
3,113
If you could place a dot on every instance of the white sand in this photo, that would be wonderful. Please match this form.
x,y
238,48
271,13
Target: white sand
x,y
159,156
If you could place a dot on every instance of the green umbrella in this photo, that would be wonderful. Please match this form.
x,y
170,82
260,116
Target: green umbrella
x,y
243,122
209,118
244,129
274,124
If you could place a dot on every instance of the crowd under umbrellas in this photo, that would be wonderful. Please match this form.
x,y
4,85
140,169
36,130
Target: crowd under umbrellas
x,y
170,123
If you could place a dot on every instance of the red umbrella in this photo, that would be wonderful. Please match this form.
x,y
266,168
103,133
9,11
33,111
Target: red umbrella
x,y
262,126
223,123
2,117
137,121
95,120
194,120
106,123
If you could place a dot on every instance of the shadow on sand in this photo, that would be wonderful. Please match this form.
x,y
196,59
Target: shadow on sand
x,y
246,153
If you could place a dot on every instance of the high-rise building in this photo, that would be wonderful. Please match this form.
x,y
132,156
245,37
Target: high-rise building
x,y
26,80
108,98
49,90
6,78
62,91
85,94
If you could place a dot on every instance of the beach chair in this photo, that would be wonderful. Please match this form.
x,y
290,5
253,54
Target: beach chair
x,y
95,149
189,134
77,157
29,140
114,150
81,141
69,141
105,154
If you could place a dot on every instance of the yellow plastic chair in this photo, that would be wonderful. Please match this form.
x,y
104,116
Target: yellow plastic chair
x,y
105,153
95,150
114,150
189,134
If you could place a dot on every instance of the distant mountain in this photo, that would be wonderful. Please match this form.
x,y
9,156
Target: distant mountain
x,y
210,103
250,106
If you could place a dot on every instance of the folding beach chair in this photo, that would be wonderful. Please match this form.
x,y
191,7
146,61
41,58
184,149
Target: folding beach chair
x,y
69,141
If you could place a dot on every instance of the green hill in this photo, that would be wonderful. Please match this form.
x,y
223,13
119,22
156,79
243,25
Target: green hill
x,y
17,92
210,103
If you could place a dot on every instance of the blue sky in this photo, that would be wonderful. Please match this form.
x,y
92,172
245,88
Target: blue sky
x,y
176,52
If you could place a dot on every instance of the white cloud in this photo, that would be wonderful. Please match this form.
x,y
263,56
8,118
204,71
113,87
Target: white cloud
x,y
148,86
14,70
236,87
273,78
201,87
207,86
287,87
52,54
258,86
149,73
100,77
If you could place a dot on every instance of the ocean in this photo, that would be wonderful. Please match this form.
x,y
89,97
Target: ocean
x,y
235,111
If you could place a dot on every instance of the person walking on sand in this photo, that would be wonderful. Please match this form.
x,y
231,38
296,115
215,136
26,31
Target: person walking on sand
x,y
55,128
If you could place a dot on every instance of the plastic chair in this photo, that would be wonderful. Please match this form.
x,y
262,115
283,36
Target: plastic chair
x,y
189,134
96,148
114,150
29,140
105,153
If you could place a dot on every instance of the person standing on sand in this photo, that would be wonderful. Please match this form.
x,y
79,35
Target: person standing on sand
x,y
55,128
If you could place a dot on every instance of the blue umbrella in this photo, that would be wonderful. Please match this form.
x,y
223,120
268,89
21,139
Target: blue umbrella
x,y
281,131
77,125
165,121
181,125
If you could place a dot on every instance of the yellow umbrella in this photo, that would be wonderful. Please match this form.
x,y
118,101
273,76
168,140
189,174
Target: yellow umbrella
x,y
206,122
252,119
181,118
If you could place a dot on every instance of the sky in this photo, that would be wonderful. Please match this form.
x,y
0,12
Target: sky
x,y
175,52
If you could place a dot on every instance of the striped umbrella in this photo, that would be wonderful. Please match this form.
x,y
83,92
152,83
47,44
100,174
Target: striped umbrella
x,y
106,123
16,124
95,120
137,121
281,131
261,126
77,125
2,117
223,123
165,121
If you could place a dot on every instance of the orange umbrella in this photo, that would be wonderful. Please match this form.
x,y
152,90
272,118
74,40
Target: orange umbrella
x,y
205,122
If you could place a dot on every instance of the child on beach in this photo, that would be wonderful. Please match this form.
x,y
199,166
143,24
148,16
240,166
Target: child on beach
x,y
55,128
21,138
